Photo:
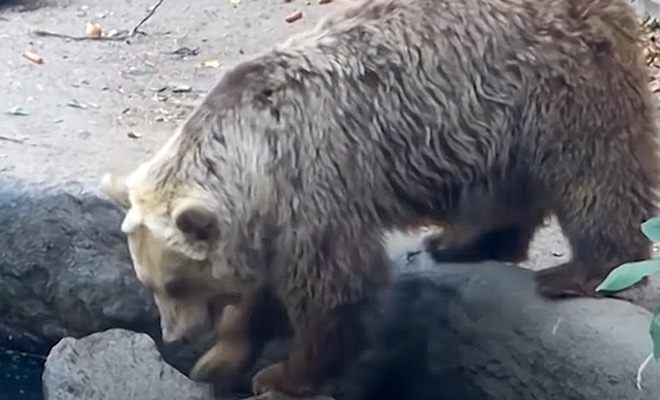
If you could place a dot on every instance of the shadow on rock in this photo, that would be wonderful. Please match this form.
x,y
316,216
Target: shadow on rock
x,y
480,332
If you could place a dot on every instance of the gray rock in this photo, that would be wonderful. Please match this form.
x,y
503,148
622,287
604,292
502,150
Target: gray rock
x,y
651,7
443,331
480,332
65,270
115,364
64,266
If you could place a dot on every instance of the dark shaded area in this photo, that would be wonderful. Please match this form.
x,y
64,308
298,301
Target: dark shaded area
x,y
20,376
454,331
481,332
23,5
443,331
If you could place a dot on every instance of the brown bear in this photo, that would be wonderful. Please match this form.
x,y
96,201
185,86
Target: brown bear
x,y
485,114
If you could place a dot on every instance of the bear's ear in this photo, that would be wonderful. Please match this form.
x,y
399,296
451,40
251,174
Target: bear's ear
x,y
195,218
116,189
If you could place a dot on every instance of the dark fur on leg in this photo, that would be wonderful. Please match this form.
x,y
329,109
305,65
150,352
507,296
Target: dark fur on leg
x,y
509,244
244,329
565,280
319,352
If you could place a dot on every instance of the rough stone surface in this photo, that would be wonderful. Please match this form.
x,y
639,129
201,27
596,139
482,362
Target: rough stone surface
x,y
65,270
62,271
651,7
444,331
115,364
480,332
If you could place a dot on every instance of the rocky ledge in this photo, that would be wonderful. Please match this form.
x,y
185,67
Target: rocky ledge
x,y
65,270
451,331
458,331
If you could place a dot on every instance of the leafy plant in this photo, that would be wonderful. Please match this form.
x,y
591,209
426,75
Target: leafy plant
x,y
628,274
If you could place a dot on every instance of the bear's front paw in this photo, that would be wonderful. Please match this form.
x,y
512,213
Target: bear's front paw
x,y
277,378
222,364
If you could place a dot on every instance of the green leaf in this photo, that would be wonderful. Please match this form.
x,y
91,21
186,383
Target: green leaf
x,y
77,104
651,228
18,110
655,333
628,274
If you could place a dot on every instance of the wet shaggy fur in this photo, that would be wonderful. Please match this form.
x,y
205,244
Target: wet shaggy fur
x,y
485,114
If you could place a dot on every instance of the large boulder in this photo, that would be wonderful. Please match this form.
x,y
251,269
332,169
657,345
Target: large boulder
x,y
481,332
443,331
115,364
65,270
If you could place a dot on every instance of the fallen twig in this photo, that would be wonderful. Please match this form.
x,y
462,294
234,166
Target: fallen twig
x,y
10,139
129,34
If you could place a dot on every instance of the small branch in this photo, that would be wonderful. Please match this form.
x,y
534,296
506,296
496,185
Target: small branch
x,y
10,139
79,38
136,28
638,379
129,34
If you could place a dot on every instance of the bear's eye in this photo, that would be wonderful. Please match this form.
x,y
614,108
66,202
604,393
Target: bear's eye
x,y
176,288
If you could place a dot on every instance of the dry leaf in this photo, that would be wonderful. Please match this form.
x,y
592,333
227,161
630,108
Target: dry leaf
x,y
77,104
186,51
93,29
211,64
294,16
325,1
180,88
34,57
17,110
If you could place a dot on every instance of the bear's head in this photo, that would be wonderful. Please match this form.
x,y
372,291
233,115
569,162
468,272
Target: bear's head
x,y
173,242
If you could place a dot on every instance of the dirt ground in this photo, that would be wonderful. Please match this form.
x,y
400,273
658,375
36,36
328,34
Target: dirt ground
x,y
87,98
126,87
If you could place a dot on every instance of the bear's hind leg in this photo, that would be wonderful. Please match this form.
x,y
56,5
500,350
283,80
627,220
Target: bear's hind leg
x,y
507,243
320,351
600,212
